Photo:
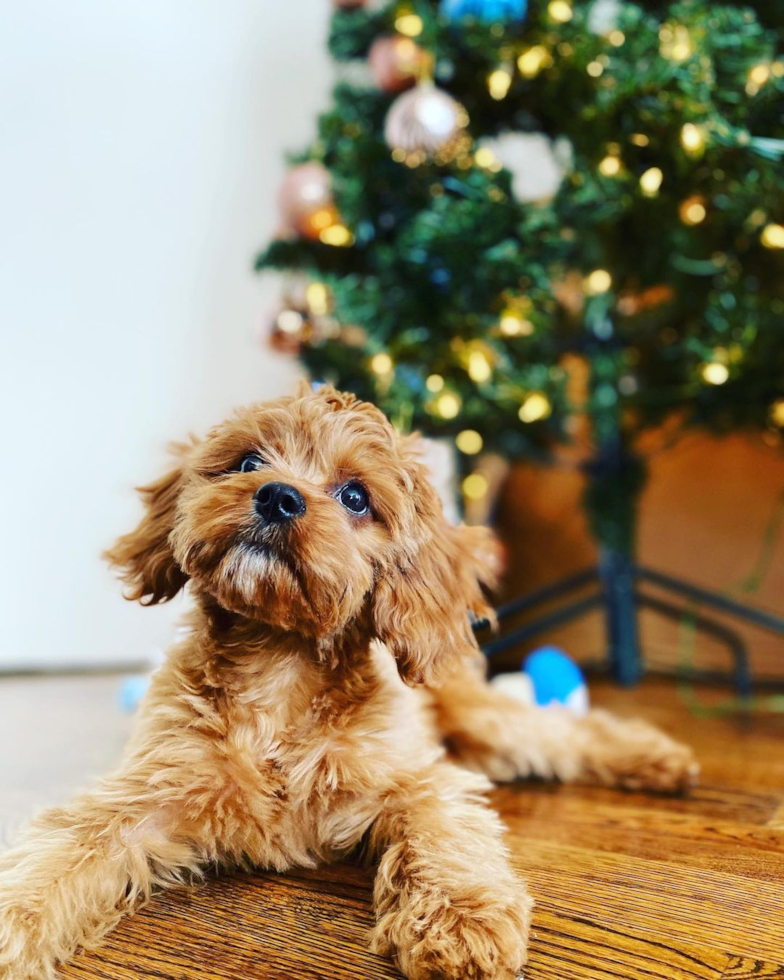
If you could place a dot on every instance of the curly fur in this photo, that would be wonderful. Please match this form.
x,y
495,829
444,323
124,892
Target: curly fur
x,y
328,668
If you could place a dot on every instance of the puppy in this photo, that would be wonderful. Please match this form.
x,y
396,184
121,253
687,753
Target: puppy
x,y
329,666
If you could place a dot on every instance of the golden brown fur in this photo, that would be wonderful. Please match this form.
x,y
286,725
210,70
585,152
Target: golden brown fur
x,y
305,713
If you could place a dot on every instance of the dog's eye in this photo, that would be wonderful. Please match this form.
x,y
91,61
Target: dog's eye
x,y
251,462
354,498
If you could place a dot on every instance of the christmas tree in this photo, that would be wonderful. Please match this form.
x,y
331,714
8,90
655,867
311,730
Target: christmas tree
x,y
437,282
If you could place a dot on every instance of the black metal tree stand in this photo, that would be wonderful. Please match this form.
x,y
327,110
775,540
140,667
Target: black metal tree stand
x,y
615,478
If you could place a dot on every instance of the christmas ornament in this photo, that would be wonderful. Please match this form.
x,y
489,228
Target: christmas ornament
x,y
426,122
533,160
396,63
486,11
291,328
305,199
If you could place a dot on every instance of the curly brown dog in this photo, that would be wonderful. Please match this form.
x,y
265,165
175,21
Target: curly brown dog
x,y
329,667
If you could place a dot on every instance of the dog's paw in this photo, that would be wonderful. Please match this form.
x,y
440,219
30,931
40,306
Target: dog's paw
x,y
637,756
433,938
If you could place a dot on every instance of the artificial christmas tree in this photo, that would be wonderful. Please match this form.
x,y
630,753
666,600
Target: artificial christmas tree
x,y
653,253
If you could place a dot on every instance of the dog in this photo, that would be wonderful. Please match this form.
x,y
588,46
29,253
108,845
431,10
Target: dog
x,y
329,696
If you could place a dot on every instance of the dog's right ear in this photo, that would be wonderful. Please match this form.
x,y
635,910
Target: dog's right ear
x,y
144,557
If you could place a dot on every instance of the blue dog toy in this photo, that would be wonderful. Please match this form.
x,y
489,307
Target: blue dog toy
x,y
556,679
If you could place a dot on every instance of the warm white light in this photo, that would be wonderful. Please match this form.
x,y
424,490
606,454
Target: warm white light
x,y
317,298
692,211
469,442
513,325
715,373
651,181
337,235
675,42
772,236
532,61
409,24
758,76
692,138
560,11
535,407
595,69
610,166
616,38
447,405
777,412
484,157
475,486
498,83
381,364
479,368
434,383
597,282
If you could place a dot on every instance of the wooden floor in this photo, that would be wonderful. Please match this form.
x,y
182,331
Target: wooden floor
x,y
627,886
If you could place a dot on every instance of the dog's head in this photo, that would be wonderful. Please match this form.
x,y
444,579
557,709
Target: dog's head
x,y
311,514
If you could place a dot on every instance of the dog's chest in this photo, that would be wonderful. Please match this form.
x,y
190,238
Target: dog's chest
x,y
328,759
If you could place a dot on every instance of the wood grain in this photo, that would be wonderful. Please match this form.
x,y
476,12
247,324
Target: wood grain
x,y
627,886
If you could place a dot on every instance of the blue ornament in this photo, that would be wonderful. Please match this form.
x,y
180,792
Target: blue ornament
x,y
486,11
556,679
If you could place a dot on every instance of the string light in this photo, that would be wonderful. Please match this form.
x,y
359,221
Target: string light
x,y
715,373
595,69
560,11
289,321
777,412
469,442
616,38
757,77
512,324
597,282
381,364
535,407
639,139
773,236
317,298
322,218
475,486
434,383
532,61
499,83
485,158
409,24
337,235
692,138
692,211
651,181
675,42
479,368
447,405
610,166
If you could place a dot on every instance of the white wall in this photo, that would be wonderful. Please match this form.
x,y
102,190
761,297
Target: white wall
x,y
141,148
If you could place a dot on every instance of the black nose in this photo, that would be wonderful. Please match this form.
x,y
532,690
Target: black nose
x,y
277,502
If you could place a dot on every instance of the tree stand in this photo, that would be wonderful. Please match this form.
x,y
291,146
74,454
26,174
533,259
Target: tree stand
x,y
619,579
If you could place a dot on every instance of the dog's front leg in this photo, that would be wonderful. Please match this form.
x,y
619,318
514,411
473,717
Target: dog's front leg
x,y
448,905
78,869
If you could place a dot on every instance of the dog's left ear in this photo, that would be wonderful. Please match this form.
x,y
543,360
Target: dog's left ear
x,y
144,557
425,600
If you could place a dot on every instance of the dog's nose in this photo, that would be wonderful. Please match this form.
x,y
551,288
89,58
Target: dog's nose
x,y
277,502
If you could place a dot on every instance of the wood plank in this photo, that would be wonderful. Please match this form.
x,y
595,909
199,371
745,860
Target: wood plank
x,y
740,969
310,926
633,827
698,906
569,948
